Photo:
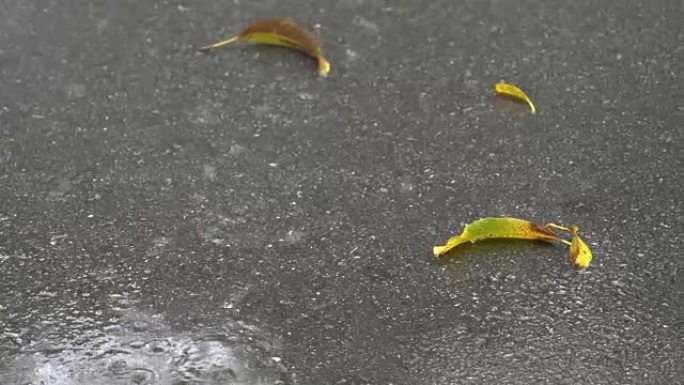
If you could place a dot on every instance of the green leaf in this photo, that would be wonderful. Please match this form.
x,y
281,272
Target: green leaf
x,y
488,228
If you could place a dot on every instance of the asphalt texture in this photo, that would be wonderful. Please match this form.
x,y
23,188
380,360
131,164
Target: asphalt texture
x,y
173,217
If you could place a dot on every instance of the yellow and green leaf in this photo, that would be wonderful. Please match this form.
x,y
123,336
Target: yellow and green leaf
x,y
489,228
514,92
280,32
513,228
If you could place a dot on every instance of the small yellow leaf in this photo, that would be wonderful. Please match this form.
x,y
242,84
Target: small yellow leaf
x,y
284,33
514,92
580,254
487,228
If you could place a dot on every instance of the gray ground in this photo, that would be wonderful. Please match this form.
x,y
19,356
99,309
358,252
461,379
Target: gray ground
x,y
170,217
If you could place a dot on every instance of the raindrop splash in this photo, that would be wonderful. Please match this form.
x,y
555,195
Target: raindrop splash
x,y
140,348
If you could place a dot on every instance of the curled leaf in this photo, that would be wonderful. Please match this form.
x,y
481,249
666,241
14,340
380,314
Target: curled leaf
x,y
580,254
487,228
284,33
514,92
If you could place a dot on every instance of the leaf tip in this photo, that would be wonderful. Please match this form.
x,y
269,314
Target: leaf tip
x,y
323,66
439,250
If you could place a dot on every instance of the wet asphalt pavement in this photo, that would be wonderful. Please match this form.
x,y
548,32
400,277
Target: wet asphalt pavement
x,y
171,217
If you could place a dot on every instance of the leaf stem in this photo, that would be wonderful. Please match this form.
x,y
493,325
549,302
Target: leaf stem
x,y
220,44
563,228
565,242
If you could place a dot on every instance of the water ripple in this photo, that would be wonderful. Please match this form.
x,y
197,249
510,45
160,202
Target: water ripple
x,y
143,350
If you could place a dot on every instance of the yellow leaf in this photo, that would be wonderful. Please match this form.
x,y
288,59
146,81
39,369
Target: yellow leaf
x,y
514,92
284,33
487,228
580,254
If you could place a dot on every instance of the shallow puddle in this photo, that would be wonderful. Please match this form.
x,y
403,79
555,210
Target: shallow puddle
x,y
141,349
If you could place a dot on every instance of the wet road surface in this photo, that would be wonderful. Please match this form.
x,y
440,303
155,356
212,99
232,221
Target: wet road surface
x,y
170,217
